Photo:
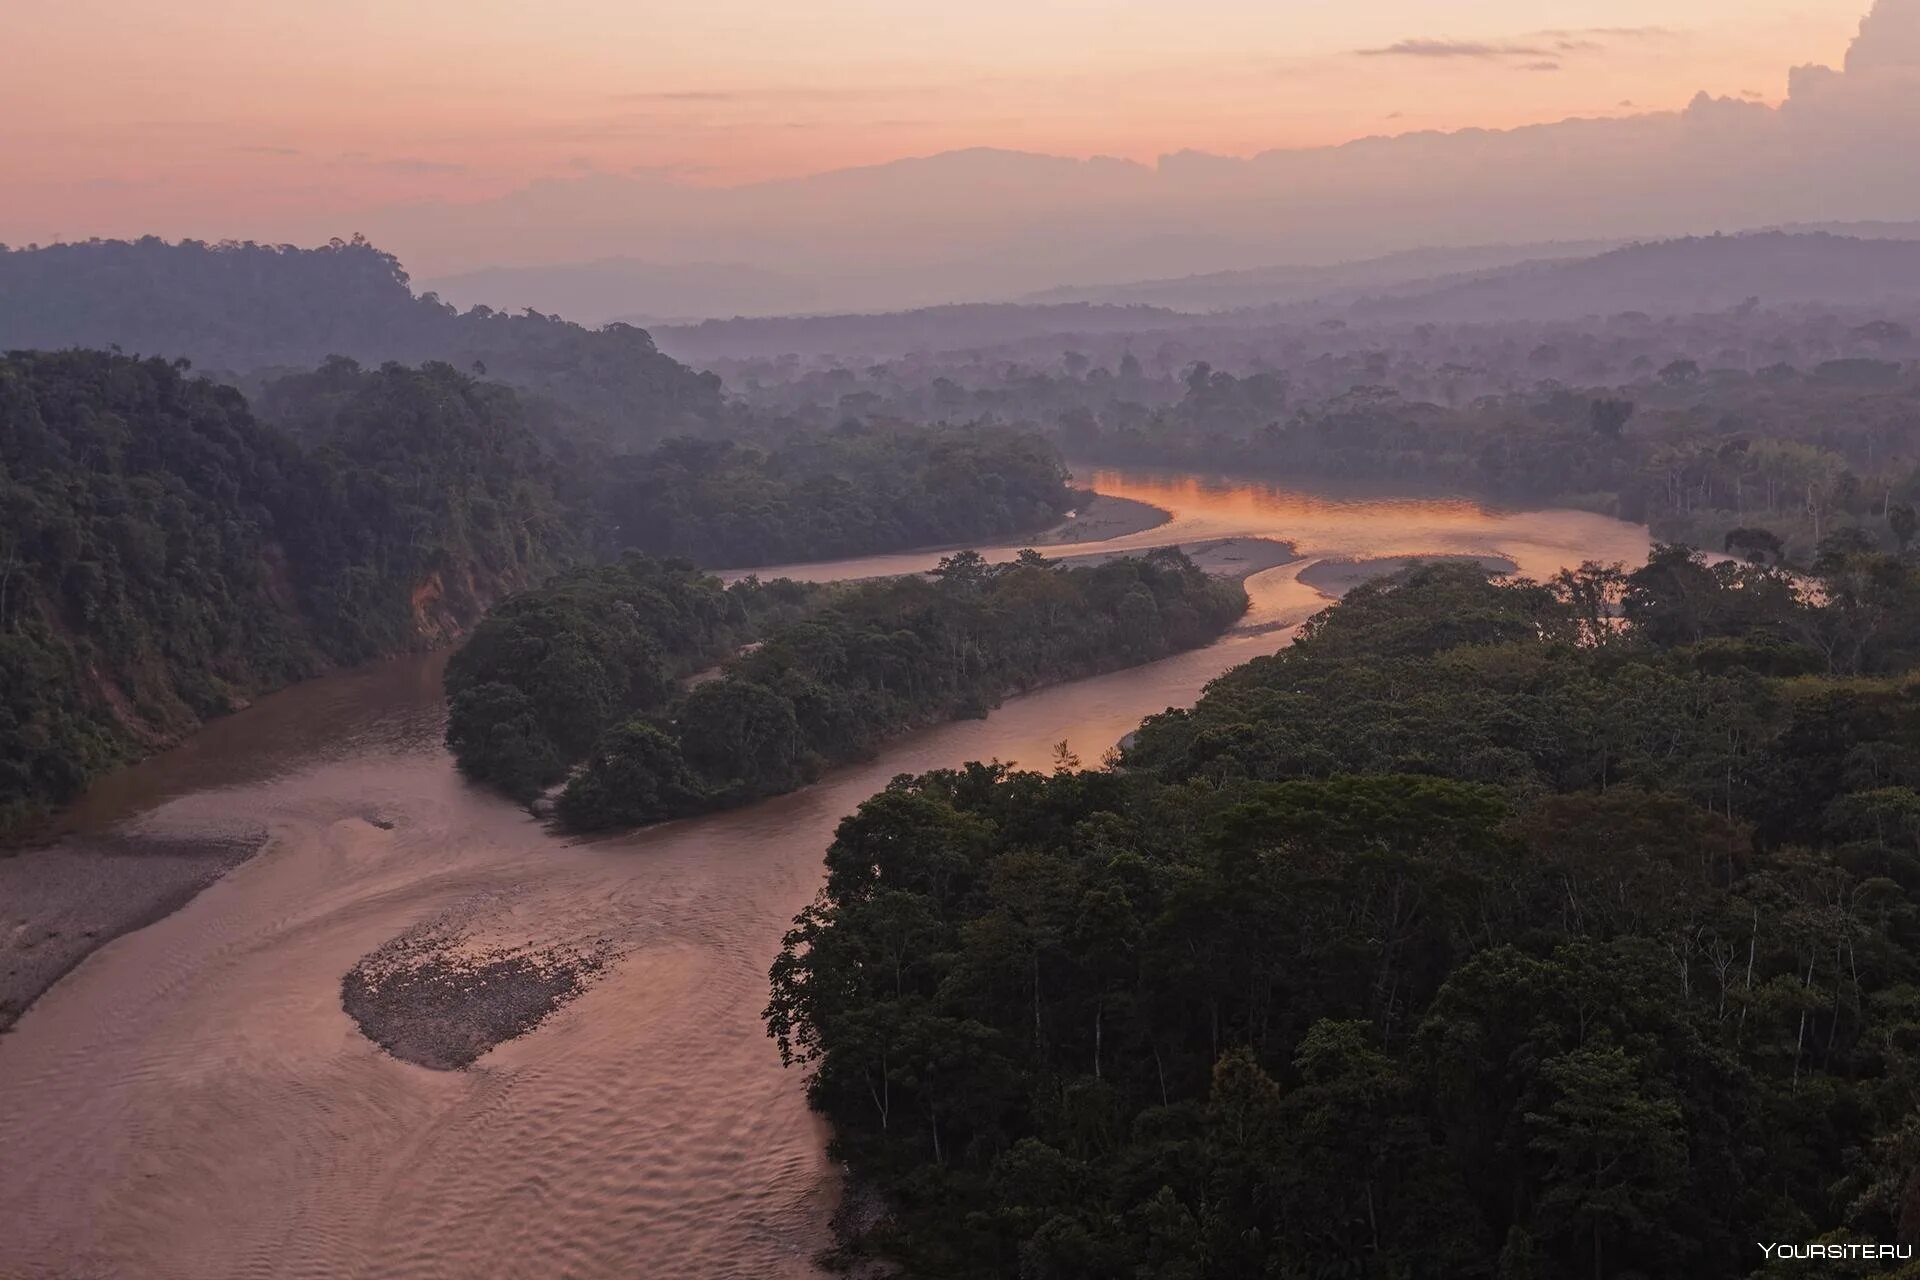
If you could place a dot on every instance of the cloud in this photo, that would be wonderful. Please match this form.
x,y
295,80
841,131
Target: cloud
x,y
269,151
769,94
408,165
681,95
1889,39
1882,70
1545,65
669,172
1425,47
1608,33
404,164
1540,46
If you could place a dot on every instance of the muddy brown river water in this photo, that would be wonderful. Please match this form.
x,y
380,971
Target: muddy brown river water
x,y
192,1101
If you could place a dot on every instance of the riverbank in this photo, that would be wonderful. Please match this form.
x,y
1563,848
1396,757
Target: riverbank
x,y
1102,518
62,902
127,855
1234,558
1334,578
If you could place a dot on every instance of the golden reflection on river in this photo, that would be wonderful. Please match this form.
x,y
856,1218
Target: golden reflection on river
x,y
1204,508
193,1102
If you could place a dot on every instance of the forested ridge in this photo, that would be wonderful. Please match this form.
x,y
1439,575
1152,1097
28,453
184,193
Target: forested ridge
x,y
252,309
164,556
585,671
1491,929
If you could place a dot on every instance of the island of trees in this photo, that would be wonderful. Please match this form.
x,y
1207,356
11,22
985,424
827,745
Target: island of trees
x,y
1492,929
584,672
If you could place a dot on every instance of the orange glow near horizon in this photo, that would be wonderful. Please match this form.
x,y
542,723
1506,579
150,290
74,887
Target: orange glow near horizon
x,y
220,117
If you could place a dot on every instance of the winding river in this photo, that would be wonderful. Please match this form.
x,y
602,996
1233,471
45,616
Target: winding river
x,y
192,1101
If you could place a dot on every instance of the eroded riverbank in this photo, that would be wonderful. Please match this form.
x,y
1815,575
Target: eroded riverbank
x,y
193,1099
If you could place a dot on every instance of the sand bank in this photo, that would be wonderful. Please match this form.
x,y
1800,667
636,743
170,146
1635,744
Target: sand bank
x,y
61,902
1102,517
1335,578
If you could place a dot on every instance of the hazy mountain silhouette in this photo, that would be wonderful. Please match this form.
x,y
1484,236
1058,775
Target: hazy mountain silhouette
x,y
954,328
1678,277
596,292
1267,286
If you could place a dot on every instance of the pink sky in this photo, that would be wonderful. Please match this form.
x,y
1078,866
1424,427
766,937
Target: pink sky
x,y
251,117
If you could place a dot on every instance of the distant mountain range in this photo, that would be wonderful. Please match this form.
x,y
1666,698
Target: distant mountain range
x,y
1269,286
806,278
1675,277
878,334
631,290
768,307
1666,277
249,307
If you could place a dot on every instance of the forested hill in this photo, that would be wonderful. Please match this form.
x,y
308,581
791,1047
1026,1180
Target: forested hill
x,y
165,557
1528,930
1675,277
244,308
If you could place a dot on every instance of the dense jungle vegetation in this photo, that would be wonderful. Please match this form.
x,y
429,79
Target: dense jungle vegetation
x,y
879,658
818,495
803,494
164,556
549,672
1800,418
585,670
1491,929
